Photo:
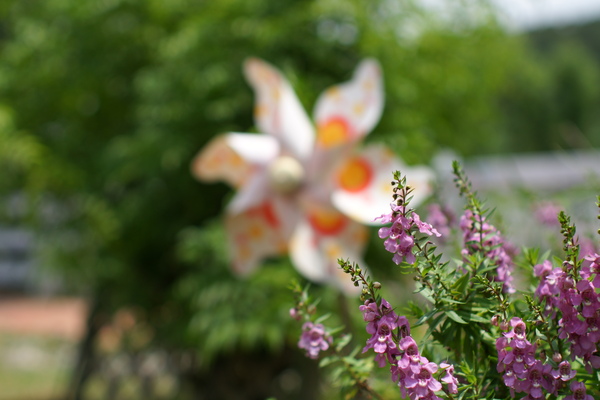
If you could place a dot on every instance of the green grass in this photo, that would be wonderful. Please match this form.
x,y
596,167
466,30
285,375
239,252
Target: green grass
x,y
39,368
33,368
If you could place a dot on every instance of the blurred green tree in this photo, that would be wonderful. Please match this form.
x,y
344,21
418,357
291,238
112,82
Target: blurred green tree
x,y
551,100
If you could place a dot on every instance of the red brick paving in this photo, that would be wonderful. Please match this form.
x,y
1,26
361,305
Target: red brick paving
x,y
52,317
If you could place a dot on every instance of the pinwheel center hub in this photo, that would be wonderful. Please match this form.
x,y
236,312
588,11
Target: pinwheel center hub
x,y
286,174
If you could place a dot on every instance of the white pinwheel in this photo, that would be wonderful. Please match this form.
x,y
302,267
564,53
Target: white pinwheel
x,y
303,190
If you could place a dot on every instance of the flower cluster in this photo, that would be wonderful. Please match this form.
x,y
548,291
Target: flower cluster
x,y
467,309
523,373
479,236
391,341
314,339
400,236
382,323
576,298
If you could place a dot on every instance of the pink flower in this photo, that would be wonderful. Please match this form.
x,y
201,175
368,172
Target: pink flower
x,y
295,314
411,359
481,237
520,359
564,372
518,334
594,267
370,311
547,213
547,289
399,376
422,384
383,321
441,218
516,355
578,392
538,377
424,227
399,237
314,339
381,340
589,298
449,379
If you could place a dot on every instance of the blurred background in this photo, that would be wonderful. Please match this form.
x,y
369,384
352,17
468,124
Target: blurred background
x,y
114,280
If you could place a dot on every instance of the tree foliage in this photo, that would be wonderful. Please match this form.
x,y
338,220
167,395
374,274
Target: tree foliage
x,y
105,104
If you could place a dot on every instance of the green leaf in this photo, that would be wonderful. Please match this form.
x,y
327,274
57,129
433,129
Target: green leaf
x,y
343,342
461,284
322,317
425,317
455,317
325,361
475,318
450,300
426,293
433,324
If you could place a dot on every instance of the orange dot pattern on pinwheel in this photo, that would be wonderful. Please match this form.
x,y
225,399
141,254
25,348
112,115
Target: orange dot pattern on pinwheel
x,y
333,132
265,211
355,175
327,222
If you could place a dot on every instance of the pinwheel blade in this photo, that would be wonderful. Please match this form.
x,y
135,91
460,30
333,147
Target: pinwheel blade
x,y
253,236
321,238
278,111
234,157
347,112
363,188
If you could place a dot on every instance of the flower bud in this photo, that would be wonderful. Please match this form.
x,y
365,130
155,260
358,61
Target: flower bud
x,y
377,285
295,314
542,356
568,264
504,325
557,357
494,320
